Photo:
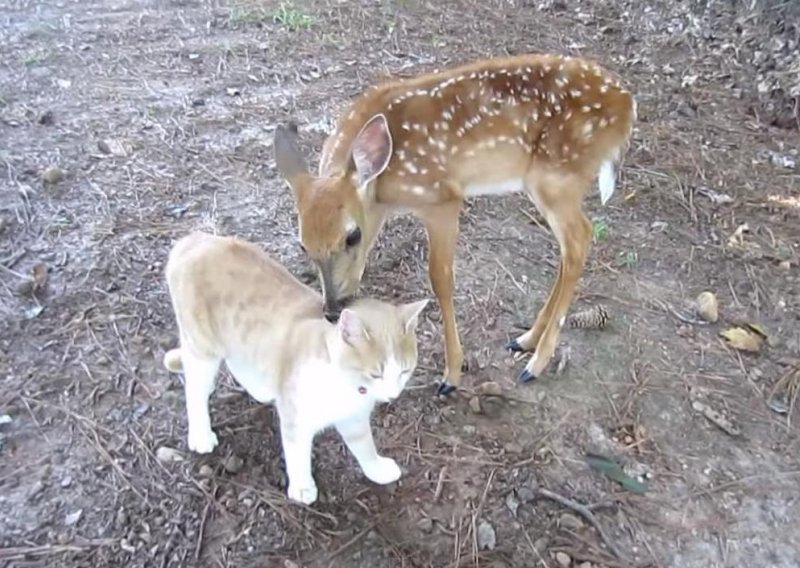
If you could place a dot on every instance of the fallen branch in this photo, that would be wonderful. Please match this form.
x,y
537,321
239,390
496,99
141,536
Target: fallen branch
x,y
587,514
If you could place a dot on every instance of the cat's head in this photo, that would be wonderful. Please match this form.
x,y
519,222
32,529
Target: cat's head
x,y
376,345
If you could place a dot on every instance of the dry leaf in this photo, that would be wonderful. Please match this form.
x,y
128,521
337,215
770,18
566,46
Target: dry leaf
x,y
742,339
39,277
707,306
758,328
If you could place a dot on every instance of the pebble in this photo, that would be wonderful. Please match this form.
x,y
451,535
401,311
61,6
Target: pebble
x,y
52,174
234,464
570,521
513,448
165,454
205,471
469,429
425,524
585,565
73,518
487,539
563,559
67,481
490,388
475,404
525,494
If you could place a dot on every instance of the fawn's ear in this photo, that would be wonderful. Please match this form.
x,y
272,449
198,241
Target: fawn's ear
x,y
409,314
288,159
372,149
351,329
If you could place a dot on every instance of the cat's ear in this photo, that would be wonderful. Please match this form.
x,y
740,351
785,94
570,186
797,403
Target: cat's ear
x,y
351,329
409,314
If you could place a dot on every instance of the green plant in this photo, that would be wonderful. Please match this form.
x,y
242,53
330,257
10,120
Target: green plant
x,y
291,18
599,229
628,259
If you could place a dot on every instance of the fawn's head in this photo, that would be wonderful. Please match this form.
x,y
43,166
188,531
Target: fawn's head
x,y
376,346
335,222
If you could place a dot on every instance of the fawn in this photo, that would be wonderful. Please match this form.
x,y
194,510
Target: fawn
x,y
234,303
543,124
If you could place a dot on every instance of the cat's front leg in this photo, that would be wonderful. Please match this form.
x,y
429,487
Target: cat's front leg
x,y
297,443
357,435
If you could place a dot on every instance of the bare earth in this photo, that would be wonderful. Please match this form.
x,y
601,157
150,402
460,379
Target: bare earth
x,y
160,117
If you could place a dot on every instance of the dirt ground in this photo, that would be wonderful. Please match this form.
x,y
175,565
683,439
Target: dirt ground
x,y
158,119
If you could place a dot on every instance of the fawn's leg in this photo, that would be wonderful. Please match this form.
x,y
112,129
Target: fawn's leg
x,y
297,442
442,226
357,435
559,200
199,378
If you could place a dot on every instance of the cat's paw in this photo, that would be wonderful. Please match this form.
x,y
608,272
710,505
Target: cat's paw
x,y
202,442
304,493
383,471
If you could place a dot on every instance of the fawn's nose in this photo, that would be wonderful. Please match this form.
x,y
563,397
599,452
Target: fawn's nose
x,y
333,308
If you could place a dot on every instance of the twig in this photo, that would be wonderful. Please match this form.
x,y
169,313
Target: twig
x,y
587,514
200,532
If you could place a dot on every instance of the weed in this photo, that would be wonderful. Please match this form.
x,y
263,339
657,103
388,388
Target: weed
x,y
599,230
291,18
628,259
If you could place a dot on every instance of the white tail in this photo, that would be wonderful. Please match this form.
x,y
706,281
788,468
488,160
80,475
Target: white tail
x,y
544,124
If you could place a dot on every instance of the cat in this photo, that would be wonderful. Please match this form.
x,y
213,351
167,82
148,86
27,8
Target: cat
x,y
234,303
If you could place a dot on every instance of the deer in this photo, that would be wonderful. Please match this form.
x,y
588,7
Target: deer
x,y
544,124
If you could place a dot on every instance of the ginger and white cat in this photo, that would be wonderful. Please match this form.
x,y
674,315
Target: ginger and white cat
x,y
234,303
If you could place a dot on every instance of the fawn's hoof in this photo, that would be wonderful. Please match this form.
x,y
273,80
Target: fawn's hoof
x,y
526,376
445,389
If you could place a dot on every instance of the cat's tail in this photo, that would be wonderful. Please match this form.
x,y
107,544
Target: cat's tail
x,y
173,361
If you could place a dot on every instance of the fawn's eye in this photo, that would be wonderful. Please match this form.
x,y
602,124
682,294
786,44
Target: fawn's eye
x,y
353,238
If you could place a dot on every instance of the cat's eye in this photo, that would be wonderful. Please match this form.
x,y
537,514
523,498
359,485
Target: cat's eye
x,y
353,238
376,376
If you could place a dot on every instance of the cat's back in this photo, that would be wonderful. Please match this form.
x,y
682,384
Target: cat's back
x,y
230,280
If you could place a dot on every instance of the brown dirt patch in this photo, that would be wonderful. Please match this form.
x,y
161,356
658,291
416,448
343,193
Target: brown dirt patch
x,y
160,115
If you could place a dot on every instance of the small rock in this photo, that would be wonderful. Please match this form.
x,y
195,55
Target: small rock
x,y
46,118
707,306
469,429
541,544
570,522
233,92
24,289
234,464
425,524
512,502
67,481
525,494
73,518
513,448
487,539
563,559
166,454
205,471
475,404
52,174
37,488
585,565
5,419
198,102
111,147
490,388
3,225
